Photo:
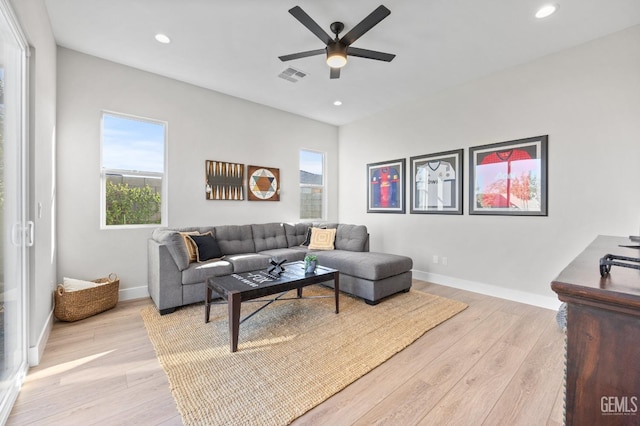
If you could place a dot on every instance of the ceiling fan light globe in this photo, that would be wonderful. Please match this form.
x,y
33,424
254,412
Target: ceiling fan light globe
x,y
336,60
336,55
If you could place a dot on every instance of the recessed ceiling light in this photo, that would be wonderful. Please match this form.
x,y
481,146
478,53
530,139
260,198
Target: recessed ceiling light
x,y
546,10
337,103
163,39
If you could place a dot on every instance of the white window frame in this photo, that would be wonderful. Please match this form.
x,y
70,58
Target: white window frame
x,y
307,185
133,173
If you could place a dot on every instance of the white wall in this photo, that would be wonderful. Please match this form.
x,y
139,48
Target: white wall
x,y
202,125
587,99
34,21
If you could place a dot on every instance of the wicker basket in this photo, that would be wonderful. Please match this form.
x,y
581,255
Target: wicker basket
x,y
80,304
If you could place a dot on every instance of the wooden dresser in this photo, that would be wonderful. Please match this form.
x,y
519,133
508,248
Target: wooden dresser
x,y
603,336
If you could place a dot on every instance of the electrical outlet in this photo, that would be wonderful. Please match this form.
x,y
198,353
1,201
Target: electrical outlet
x,y
445,261
435,258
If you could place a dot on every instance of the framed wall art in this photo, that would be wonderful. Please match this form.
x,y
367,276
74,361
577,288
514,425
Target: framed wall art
x,y
436,183
224,181
263,183
509,178
386,187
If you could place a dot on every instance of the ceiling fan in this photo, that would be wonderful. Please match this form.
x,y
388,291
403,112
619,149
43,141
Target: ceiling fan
x,y
338,49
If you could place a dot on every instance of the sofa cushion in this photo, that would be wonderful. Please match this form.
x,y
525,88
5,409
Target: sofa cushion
x,y
325,225
198,230
267,236
207,247
199,272
351,237
296,233
368,265
322,239
290,254
244,262
234,239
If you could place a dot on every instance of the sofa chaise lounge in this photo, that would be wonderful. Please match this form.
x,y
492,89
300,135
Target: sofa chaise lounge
x,y
174,280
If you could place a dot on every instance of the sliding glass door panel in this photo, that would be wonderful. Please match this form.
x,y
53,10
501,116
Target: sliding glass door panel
x,y
13,224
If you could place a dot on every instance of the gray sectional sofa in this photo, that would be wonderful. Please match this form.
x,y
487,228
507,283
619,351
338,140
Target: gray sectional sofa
x,y
173,281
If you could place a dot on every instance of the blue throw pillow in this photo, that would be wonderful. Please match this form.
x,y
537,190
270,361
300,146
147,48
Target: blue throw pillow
x,y
207,247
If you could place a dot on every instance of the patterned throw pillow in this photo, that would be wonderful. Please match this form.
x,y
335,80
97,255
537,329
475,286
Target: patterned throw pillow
x,y
322,239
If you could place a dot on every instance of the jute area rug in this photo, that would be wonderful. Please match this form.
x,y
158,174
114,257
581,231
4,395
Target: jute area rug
x,y
291,356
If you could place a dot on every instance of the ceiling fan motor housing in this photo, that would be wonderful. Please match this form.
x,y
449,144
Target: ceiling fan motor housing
x,y
336,48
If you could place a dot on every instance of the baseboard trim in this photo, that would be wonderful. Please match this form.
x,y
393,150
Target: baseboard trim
x,y
133,293
35,352
490,290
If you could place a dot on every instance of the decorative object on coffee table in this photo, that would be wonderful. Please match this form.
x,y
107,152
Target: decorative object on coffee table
x,y
263,183
277,269
310,263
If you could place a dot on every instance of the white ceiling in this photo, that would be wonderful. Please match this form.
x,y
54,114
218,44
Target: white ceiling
x,y
233,46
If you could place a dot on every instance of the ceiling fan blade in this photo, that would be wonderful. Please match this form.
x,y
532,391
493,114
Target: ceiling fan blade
x,y
370,54
365,25
311,25
299,55
335,73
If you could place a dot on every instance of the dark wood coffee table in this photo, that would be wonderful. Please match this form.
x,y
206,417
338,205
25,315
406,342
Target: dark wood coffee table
x,y
238,288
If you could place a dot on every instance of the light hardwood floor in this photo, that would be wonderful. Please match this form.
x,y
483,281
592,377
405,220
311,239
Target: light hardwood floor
x,y
496,363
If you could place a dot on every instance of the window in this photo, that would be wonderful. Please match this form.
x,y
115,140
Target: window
x,y
311,185
132,178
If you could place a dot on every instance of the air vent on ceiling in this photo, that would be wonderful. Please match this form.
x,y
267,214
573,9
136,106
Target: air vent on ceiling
x,y
293,75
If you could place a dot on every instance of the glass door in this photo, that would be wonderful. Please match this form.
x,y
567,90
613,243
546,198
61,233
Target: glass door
x,y
14,231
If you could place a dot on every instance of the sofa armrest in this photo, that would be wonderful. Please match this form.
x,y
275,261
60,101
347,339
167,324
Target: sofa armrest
x,y
164,277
